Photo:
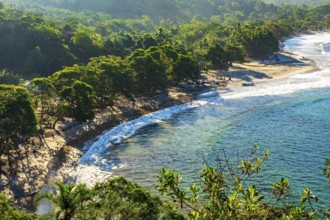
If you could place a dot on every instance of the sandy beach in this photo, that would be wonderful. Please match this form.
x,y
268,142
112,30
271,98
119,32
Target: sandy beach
x,y
48,157
254,71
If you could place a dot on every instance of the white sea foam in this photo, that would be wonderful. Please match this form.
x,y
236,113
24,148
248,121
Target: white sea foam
x,y
91,174
325,48
128,129
309,46
92,162
94,166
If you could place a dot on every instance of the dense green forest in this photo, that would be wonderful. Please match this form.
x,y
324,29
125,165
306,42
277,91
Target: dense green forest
x,y
169,10
300,2
45,46
67,59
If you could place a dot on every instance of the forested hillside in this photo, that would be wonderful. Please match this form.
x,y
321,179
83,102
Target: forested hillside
x,y
143,14
300,2
31,44
36,45
70,59
174,10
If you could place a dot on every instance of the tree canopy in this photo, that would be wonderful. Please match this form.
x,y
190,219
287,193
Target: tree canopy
x,y
117,198
230,190
82,56
18,120
9,212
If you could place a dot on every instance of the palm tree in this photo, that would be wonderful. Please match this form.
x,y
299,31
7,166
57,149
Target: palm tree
x,y
66,200
307,195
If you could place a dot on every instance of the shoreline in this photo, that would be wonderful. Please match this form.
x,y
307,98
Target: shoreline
x,y
261,71
60,151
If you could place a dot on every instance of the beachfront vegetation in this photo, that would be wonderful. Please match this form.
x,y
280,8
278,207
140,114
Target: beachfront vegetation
x,y
86,61
77,90
225,190
67,59
231,191
9,212
18,121
115,199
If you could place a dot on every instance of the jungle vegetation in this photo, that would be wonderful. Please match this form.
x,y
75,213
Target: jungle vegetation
x,y
228,189
65,59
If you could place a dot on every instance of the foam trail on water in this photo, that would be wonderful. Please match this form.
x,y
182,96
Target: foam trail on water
x,y
325,48
315,47
128,129
94,167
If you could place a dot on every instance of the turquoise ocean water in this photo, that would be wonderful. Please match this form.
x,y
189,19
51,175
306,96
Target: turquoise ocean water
x,y
290,117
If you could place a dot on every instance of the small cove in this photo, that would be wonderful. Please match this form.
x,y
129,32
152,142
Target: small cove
x,y
290,117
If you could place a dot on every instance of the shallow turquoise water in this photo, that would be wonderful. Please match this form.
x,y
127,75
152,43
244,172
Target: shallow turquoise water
x,y
290,117
295,128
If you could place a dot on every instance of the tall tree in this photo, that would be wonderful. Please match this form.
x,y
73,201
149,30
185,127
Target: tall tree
x,y
258,41
110,77
87,44
185,68
18,120
149,72
218,57
80,97
44,89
